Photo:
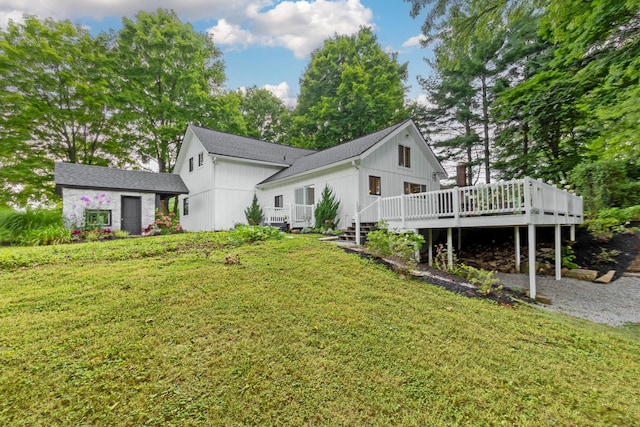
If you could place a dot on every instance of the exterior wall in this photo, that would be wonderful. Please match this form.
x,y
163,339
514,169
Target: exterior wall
x,y
341,179
219,190
199,182
75,201
383,163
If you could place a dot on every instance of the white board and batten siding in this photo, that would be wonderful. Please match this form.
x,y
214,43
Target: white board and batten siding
x,y
384,163
342,179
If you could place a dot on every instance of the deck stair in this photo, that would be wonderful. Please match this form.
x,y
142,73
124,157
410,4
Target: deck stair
x,y
350,233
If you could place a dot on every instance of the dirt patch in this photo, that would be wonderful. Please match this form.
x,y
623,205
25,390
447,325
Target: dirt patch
x,y
615,254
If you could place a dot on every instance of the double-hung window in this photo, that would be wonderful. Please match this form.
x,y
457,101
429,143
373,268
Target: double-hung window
x,y
190,164
404,156
200,159
375,188
185,206
278,202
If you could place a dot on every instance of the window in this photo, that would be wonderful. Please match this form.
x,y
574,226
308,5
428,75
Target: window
x,y
200,159
305,195
190,164
404,156
374,185
97,217
410,188
278,202
185,206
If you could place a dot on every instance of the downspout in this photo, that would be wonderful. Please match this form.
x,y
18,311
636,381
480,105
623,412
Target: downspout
x,y
357,201
213,195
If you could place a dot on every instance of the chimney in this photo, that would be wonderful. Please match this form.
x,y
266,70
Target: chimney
x,y
461,174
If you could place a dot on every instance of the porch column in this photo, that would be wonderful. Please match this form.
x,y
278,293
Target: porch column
x,y
558,252
516,238
572,233
450,248
532,260
430,246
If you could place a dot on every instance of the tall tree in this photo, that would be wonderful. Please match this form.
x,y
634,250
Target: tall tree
x,y
55,104
170,75
350,87
265,115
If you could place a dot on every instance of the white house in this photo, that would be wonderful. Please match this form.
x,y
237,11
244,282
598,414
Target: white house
x,y
223,171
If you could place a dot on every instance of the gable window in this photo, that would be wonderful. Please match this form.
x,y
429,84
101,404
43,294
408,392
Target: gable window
x,y
410,188
185,206
374,185
404,156
278,202
190,164
305,195
97,217
200,159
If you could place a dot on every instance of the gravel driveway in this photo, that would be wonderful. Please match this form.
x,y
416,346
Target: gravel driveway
x,y
614,304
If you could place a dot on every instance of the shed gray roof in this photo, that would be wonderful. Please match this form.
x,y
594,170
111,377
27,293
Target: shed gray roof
x,y
335,154
85,176
242,147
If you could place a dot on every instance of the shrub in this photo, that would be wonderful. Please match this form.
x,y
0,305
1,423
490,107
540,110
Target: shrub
x,y
254,212
49,235
251,233
483,279
327,210
405,246
607,221
21,227
605,184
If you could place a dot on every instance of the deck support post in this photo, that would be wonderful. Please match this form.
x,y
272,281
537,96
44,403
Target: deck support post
x,y
532,260
516,243
357,225
450,248
459,239
430,245
558,252
572,232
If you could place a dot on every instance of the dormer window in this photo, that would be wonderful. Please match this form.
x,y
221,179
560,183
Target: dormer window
x,y
404,156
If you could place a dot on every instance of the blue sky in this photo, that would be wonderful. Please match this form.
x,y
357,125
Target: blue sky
x,y
266,43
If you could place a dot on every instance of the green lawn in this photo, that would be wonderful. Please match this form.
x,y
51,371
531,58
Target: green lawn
x,y
160,331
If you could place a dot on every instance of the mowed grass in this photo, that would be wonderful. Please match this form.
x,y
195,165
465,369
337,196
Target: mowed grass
x,y
298,333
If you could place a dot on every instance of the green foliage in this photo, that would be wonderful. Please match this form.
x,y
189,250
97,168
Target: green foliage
x,y
163,224
327,210
265,115
606,256
482,279
568,257
254,212
167,74
404,246
32,227
55,104
604,184
608,221
441,258
242,234
350,88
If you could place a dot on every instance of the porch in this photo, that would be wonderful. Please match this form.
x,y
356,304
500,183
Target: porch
x,y
295,215
518,203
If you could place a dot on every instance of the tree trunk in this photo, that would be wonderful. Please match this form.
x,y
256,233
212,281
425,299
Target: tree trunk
x,y
485,122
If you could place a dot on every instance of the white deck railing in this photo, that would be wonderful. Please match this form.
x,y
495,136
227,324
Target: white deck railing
x,y
292,214
536,201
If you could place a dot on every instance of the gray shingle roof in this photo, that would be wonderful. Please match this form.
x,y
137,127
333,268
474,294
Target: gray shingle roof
x,y
85,176
335,154
227,144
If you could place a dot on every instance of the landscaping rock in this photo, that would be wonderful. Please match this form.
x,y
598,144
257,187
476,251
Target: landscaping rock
x,y
588,275
606,278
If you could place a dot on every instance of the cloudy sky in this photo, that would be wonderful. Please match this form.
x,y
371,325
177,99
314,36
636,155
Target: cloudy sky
x,y
265,42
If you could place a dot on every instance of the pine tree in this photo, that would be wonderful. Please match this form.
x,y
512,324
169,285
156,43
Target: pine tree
x,y
327,210
254,212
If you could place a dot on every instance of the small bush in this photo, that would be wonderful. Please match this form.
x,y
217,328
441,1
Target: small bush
x,y
607,221
252,233
483,279
405,246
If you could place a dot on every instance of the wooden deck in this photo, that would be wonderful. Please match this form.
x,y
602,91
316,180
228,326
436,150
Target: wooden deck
x,y
503,204
525,202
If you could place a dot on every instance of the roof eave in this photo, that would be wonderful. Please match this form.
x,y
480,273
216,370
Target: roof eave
x,y
267,183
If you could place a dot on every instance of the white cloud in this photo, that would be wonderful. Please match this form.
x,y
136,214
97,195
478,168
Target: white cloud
x,y
413,41
299,26
282,91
